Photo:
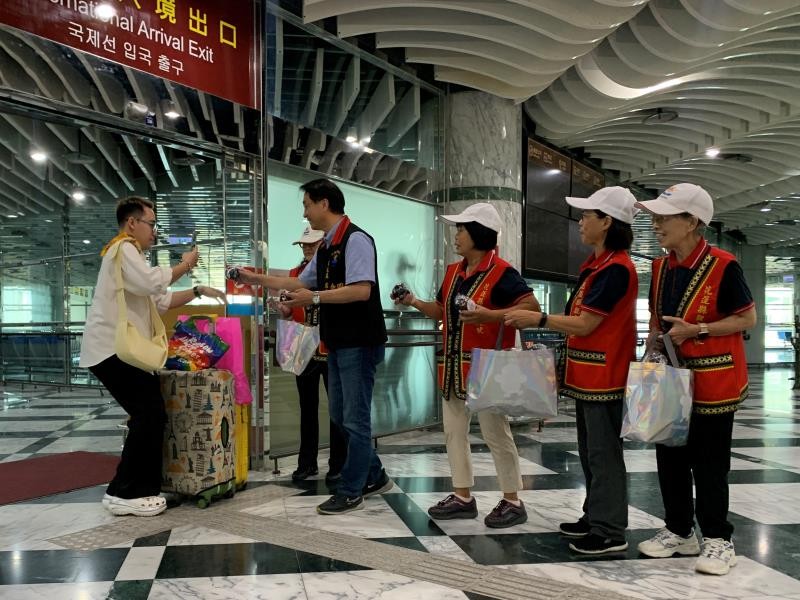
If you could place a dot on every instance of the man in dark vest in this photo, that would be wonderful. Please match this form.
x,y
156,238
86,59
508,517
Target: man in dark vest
x,y
344,272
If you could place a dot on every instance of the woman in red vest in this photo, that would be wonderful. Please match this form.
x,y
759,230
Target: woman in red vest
x,y
308,383
492,286
600,323
698,296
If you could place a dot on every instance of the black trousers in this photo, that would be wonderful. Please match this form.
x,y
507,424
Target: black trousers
x,y
139,394
605,508
706,460
308,391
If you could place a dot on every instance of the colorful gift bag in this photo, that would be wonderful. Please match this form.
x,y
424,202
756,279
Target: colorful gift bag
x,y
193,350
230,330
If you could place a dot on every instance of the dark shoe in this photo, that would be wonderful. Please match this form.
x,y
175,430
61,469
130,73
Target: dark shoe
x,y
304,473
577,529
333,478
506,514
338,505
597,544
453,507
384,484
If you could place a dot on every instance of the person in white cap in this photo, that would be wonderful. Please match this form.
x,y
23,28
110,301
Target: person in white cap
x,y
600,323
308,383
699,297
493,286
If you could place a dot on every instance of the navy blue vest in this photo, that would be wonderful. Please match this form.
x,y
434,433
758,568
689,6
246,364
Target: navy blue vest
x,y
355,324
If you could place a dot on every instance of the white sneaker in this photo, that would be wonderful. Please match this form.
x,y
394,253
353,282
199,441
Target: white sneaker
x,y
665,543
149,506
717,558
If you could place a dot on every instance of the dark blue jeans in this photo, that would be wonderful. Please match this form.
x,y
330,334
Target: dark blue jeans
x,y
351,377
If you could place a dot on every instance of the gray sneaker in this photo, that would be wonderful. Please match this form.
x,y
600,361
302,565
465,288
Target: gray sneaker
x,y
717,557
665,543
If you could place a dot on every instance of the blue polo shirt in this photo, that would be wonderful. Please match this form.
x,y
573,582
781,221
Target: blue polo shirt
x,y
359,260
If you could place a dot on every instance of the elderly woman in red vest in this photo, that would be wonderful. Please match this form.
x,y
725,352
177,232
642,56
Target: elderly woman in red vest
x,y
308,383
698,296
600,323
493,286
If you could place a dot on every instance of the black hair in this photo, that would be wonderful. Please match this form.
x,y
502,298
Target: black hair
x,y
132,206
322,189
482,237
619,235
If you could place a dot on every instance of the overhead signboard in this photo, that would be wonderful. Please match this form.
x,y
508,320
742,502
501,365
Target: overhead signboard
x,y
204,44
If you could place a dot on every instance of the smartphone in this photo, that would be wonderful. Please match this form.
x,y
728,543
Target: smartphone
x,y
194,238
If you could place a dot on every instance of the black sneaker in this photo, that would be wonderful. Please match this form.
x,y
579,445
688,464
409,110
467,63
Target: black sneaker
x,y
384,484
453,507
304,473
597,544
338,505
577,529
505,514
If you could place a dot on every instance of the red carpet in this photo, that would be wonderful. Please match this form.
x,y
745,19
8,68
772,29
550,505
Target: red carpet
x,y
46,475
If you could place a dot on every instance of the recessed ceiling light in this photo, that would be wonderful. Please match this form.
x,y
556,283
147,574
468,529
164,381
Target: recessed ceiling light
x,y
79,195
87,241
553,172
712,152
12,216
38,156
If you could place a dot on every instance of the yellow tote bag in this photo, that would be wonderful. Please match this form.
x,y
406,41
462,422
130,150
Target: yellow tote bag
x,y
130,346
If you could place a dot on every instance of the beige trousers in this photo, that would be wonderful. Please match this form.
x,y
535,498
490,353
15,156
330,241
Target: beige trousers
x,y
497,435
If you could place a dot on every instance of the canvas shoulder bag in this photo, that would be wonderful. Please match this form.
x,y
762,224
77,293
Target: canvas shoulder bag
x,y
148,354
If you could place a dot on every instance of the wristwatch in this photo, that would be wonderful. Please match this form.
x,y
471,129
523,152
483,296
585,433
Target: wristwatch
x,y
542,320
315,298
197,292
703,333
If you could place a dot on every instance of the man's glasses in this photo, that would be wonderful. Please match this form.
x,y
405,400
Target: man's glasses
x,y
153,224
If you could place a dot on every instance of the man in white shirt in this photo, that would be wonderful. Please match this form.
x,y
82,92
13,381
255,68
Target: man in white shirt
x,y
137,483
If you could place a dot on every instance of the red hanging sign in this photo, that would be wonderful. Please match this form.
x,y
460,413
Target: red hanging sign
x,y
203,44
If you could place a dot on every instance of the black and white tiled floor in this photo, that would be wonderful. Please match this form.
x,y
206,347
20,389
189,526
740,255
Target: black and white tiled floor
x,y
194,562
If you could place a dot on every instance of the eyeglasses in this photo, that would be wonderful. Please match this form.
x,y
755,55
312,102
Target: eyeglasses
x,y
153,224
659,219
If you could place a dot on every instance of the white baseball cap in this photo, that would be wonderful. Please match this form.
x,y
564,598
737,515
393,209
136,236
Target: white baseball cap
x,y
615,201
310,236
682,198
480,212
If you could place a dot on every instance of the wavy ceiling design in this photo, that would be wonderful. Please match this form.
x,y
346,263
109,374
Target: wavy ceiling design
x,y
605,76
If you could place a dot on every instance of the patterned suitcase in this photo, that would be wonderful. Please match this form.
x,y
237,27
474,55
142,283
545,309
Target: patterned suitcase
x,y
199,438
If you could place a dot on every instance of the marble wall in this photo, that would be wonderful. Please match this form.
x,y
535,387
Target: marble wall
x,y
484,137
484,164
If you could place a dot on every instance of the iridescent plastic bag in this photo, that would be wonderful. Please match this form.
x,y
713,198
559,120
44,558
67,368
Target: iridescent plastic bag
x,y
513,382
658,403
295,345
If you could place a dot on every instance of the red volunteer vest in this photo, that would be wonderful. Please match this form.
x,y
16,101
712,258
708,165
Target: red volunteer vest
x,y
308,315
453,364
719,363
596,365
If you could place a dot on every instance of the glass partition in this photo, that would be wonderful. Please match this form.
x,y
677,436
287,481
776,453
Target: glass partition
x,y
404,233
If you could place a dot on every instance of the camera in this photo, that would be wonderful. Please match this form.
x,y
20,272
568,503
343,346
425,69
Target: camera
x,y
399,292
462,302
283,296
232,273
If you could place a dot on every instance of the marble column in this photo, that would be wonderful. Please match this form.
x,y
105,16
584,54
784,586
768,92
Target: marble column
x,y
483,163
754,265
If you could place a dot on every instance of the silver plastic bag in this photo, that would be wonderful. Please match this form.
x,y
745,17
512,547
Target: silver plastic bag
x,y
295,345
513,382
658,402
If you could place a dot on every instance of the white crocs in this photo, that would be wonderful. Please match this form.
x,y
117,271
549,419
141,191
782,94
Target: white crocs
x,y
149,506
